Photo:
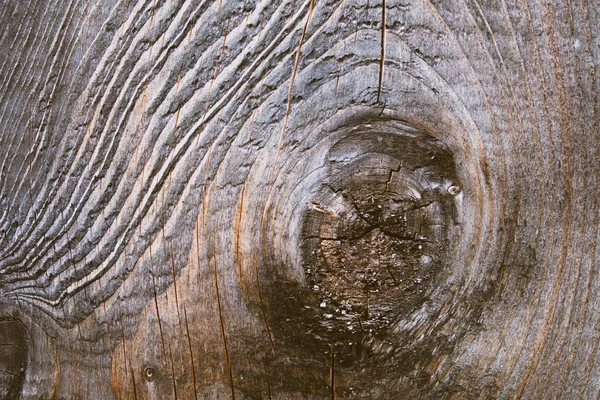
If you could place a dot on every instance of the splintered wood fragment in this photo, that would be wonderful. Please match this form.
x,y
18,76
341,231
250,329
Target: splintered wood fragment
x,y
321,209
177,119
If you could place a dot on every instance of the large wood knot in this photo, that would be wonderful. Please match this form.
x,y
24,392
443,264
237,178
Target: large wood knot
x,y
375,236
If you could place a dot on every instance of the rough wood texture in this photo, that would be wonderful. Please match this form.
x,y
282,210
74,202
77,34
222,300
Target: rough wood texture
x,y
299,199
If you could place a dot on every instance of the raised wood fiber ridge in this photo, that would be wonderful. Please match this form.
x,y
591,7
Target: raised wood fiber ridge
x,y
287,199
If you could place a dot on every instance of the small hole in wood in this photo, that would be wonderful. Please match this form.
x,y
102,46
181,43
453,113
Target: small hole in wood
x,y
149,374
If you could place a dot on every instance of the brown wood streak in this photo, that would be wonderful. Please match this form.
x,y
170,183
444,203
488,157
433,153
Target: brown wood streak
x,y
221,324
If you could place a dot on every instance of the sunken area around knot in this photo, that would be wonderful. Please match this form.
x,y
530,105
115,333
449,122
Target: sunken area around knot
x,y
377,233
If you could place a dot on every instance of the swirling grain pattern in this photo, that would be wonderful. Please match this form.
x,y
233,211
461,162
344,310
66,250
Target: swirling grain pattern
x,y
299,199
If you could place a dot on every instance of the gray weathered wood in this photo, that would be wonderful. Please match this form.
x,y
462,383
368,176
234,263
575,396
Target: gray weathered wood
x,y
299,199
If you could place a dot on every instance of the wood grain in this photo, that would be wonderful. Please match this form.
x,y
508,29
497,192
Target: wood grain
x,y
299,199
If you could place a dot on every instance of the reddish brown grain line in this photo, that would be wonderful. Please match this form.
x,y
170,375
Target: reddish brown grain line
x,y
382,59
162,339
177,92
152,17
204,194
291,90
236,234
172,371
174,278
262,305
198,241
222,325
123,342
162,209
189,340
266,377
177,119
337,82
133,382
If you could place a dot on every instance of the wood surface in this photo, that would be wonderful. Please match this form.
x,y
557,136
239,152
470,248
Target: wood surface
x,y
287,199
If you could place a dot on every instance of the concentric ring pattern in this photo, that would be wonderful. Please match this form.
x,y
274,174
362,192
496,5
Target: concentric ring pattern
x,y
337,198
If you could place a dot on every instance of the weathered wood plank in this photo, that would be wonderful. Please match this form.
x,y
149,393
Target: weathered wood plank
x,y
299,199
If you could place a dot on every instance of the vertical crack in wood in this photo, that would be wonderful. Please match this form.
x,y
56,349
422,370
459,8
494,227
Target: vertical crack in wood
x,y
189,340
262,360
228,360
133,381
172,371
160,330
174,279
236,235
262,304
382,59
125,359
290,93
